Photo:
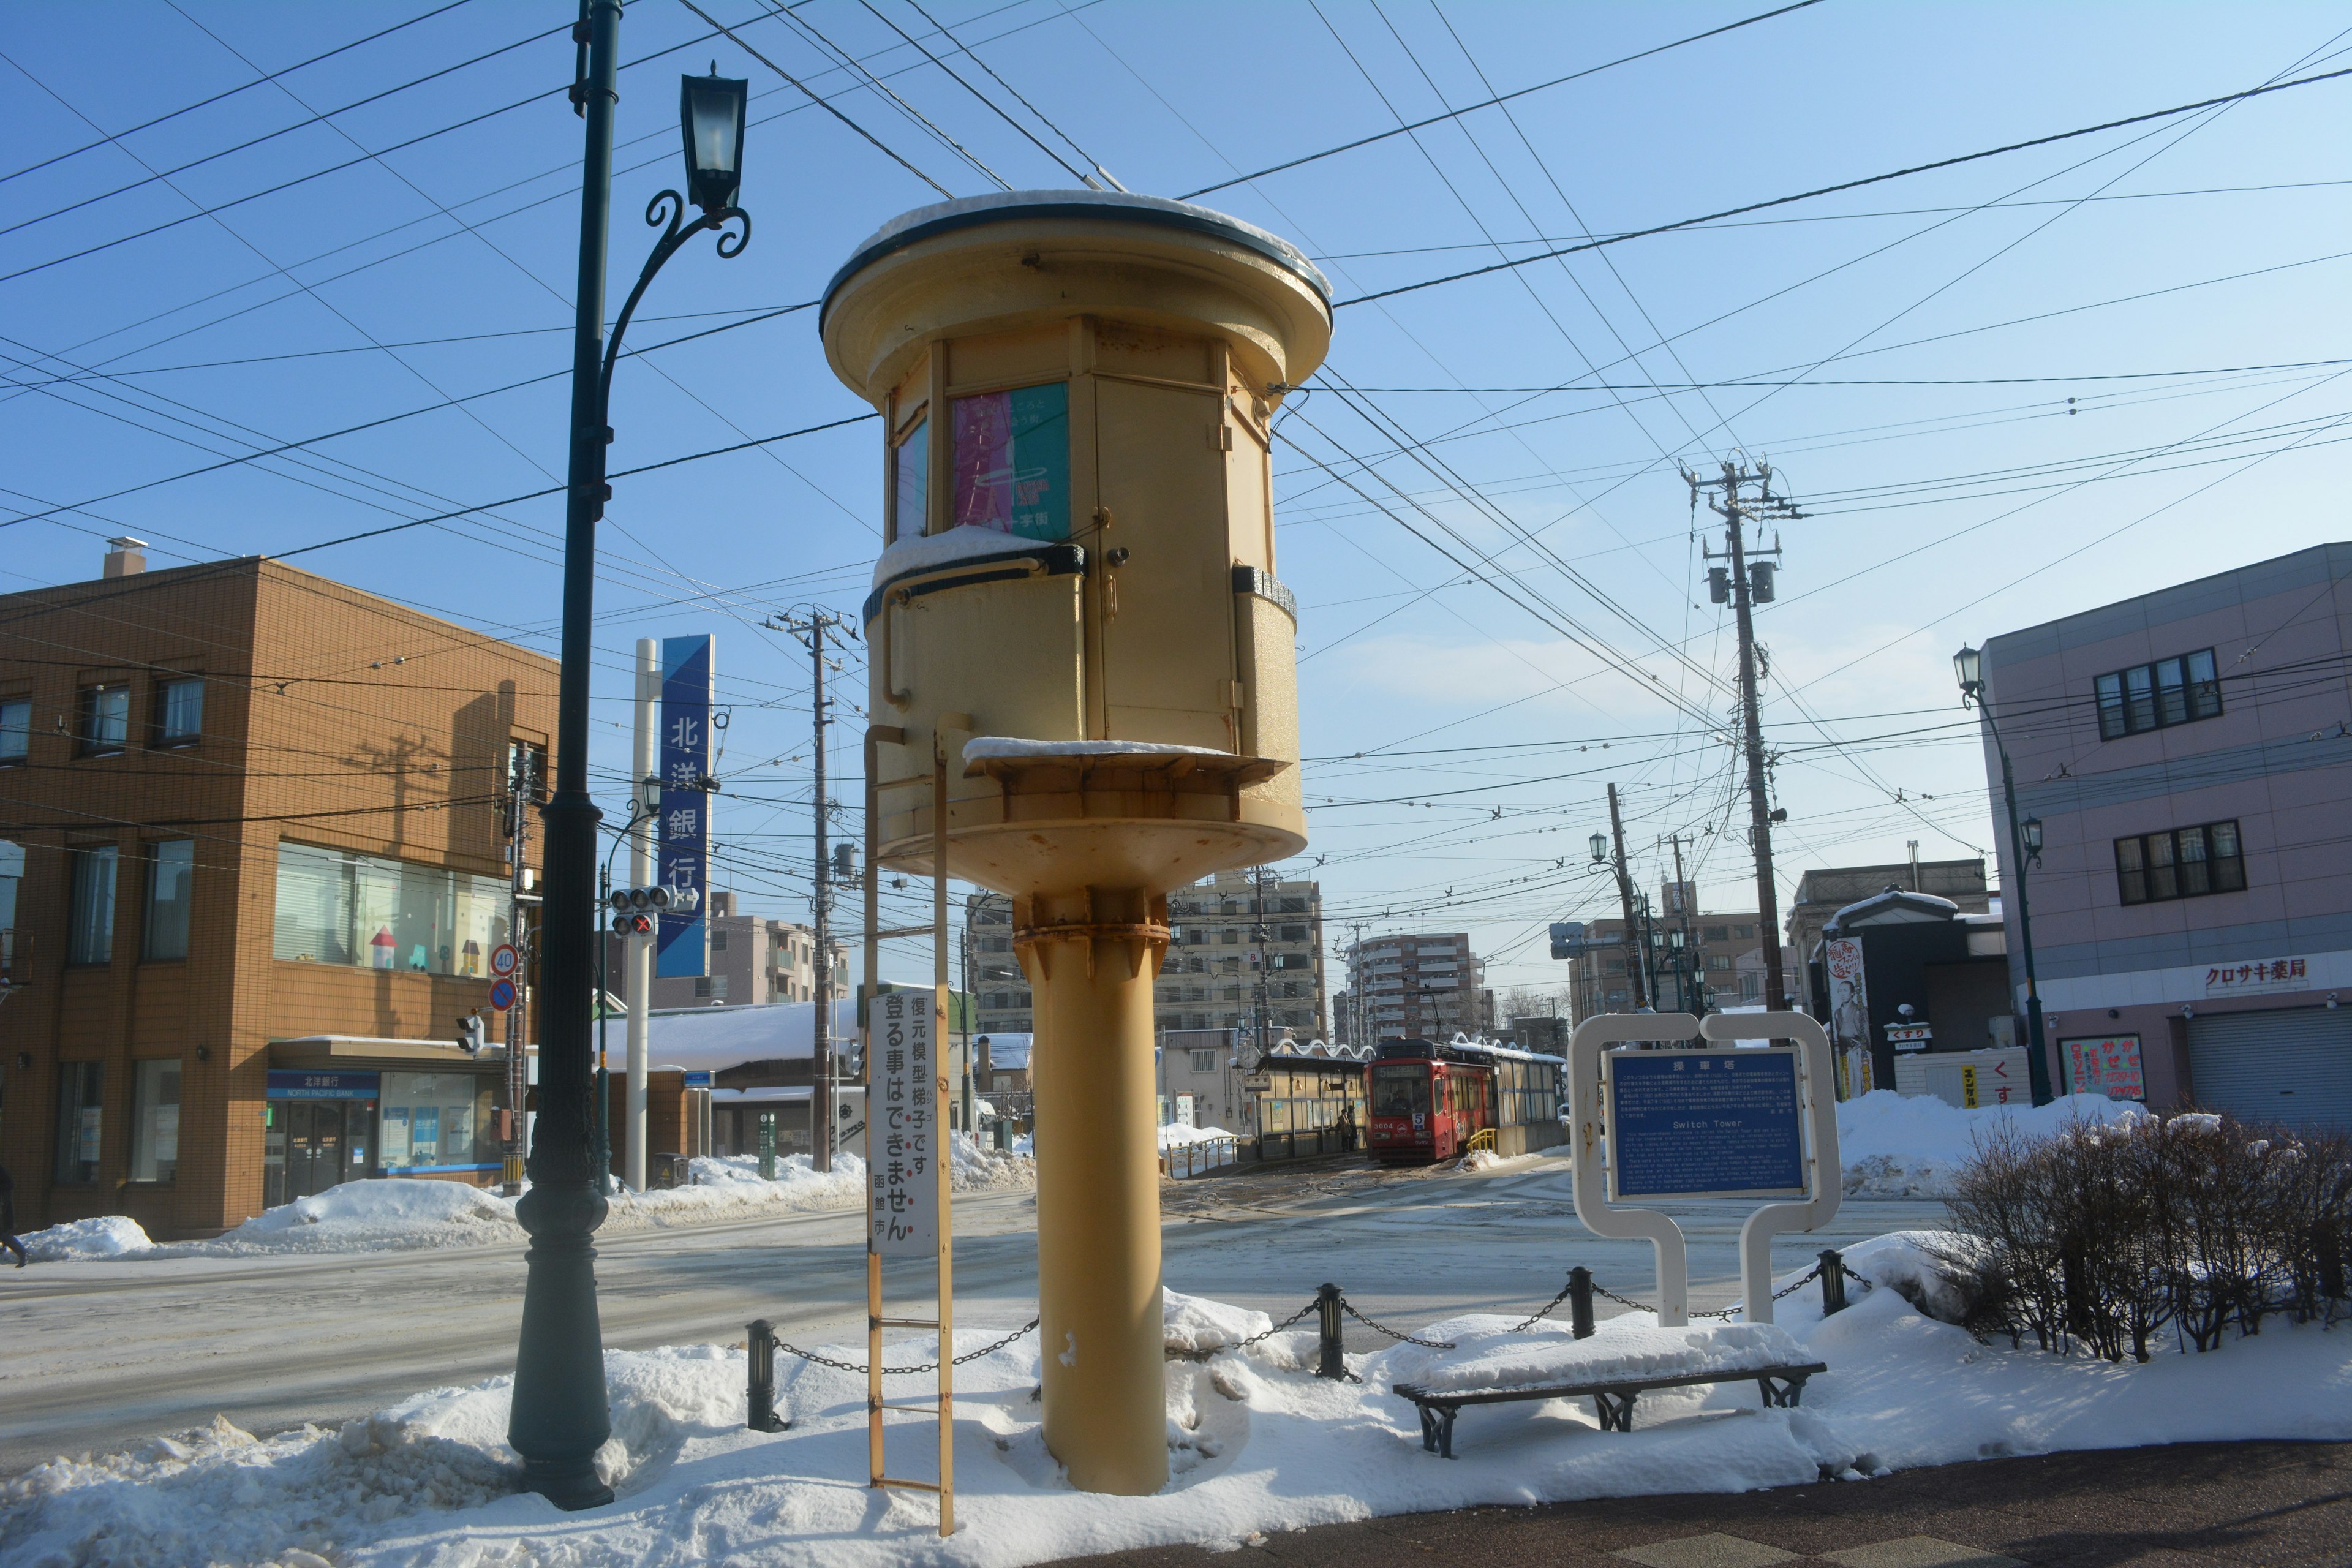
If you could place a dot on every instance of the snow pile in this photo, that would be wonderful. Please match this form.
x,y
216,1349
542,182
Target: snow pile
x,y
1177,1133
1256,1444
1197,1327
1488,1356
1479,1160
984,748
974,1167
1908,1145
370,1216
108,1235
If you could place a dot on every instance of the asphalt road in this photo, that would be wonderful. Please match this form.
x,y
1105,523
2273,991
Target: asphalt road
x,y
97,1355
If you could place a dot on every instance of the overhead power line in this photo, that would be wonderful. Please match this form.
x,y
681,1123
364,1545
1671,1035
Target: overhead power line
x,y
1841,186
1491,102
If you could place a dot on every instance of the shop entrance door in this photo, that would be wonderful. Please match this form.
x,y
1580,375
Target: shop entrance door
x,y
326,1144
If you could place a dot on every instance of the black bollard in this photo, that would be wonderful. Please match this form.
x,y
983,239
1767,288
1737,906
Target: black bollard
x,y
1580,1301
1833,1282
762,1415
1332,1363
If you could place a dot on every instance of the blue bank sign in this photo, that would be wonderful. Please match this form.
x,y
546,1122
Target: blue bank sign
x,y
680,944
1704,1124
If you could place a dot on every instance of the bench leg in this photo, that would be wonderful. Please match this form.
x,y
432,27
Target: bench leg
x,y
1615,1410
1783,1393
1428,1428
1446,1414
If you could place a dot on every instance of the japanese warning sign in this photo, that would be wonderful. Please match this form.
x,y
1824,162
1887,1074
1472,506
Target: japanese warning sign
x,y
680,945
902,1132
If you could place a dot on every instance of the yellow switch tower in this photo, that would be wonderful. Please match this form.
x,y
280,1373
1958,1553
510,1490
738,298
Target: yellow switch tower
x,y
1076,615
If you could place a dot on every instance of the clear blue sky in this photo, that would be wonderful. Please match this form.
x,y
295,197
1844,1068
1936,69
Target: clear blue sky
x,y
1942,513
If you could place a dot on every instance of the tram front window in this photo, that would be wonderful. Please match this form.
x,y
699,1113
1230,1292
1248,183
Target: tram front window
x,y
1399,1090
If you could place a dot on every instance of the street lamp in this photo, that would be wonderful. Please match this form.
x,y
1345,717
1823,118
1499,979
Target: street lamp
x,y
559,1416
2024,849
1600,846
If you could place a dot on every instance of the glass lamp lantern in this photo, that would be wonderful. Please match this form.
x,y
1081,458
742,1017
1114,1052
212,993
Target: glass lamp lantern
x,y
2030,832
710,119
1600,843
1967,667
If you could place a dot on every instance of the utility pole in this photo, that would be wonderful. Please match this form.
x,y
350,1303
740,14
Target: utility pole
x,y
1257,936
1634,943
810,628
1749,586
1688,955
520,790
645,756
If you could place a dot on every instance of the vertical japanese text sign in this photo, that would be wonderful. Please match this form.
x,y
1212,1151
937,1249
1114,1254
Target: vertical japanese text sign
x,y
680,946
902,1136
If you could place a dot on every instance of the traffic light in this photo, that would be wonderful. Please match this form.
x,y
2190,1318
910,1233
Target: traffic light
x,y
471,1035
1567,939
635,908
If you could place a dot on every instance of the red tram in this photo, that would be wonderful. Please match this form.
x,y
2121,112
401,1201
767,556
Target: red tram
x,y
1428,1102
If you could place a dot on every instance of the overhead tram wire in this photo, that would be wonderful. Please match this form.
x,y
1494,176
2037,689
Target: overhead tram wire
x,y
791,16
241,87
987,102
1883,381
1841,186
972,52
313,117
814,97
1522,92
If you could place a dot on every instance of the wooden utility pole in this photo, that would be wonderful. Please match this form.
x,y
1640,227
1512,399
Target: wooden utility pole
x,y
1633,940
810,628
1749,586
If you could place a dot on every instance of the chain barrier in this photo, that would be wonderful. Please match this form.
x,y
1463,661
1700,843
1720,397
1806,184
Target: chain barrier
x,y
859,1368
1790,1289
1384,1328
1546,1310
1303,1312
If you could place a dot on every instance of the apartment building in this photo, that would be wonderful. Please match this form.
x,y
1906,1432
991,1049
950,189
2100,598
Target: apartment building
x,y
1428,985
251,821
2188,757
1244,951
754,961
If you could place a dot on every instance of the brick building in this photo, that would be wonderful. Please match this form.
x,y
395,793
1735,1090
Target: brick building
x,y
256,818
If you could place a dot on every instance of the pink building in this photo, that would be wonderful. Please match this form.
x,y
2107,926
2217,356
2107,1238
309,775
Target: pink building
x,y
2189,753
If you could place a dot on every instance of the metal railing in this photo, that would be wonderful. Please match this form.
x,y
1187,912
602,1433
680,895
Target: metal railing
x,y
1181,1160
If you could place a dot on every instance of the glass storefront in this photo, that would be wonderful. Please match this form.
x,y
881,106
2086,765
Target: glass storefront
x,y
437,1122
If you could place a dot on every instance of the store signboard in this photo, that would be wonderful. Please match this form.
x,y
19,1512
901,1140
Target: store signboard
x,y
1849,992
1910,1037
285,1084
1695,1125
2105,1064
2255,976
903,1140
680,944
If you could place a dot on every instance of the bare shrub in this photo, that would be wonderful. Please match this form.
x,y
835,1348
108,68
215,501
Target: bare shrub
x,y
2102,1234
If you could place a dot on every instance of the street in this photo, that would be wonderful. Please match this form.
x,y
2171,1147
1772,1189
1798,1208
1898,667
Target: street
x,y
103,1354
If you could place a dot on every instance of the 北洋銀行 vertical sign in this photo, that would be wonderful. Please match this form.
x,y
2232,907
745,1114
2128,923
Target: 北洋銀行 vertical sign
x,y
902,1132
680,947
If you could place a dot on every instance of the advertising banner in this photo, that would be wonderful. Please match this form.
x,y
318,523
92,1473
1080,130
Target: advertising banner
x,y
903,1140
2105,1064
681,943
1849,993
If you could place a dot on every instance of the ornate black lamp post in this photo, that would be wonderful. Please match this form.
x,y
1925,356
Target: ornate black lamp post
x,y
2024,849
560,1418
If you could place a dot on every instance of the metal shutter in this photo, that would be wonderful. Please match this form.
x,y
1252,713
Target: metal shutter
x,y
2291,1066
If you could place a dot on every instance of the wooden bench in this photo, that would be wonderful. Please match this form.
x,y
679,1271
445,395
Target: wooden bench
x,y
1612,1399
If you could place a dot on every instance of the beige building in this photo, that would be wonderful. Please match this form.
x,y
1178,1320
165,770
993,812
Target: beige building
x,y
1707,961
1432,986
754,959
1245,952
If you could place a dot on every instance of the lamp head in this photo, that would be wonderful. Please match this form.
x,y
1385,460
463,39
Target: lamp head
x,y
710,119
2030,830
1967,667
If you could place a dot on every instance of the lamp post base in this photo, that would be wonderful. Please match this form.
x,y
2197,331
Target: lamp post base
x,y
569,1485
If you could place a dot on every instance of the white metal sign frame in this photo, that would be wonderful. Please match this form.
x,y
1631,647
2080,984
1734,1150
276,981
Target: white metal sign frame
x,y
1588,1108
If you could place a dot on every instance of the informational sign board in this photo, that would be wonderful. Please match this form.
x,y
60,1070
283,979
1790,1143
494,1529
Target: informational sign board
x,y
699,1079
681,943
1849,993
1696,1124
2105,1064
287,1084
1910,1037
903,1138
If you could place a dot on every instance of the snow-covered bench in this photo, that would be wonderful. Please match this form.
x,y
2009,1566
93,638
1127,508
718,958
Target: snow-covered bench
x,y
1611,1368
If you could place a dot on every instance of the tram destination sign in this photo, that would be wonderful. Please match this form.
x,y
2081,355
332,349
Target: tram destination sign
x,y
1696,1124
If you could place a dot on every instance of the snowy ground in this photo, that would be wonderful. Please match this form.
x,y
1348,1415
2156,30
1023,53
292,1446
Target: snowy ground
x,y
1908,1146
1256,1445
397,1216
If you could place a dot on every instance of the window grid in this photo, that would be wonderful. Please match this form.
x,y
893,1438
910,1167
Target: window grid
x,y
2180,863
2157,696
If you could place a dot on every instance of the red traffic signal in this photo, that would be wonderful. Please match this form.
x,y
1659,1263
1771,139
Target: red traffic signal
x,y
633,925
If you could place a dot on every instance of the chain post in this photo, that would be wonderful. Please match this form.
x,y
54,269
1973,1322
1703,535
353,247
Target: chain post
x,y
1332,1363
1832,1273
762,1413
1580,1301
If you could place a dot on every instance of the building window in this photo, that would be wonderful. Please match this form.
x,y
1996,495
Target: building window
x,y
334,907
717,940
90,939
1718,961
711,987
171,883
79,1085
1204,1061
2157,696
1751,986
12,872
105,718
179,712
436,1122
154,1120
1743,933
1715,934
15,729
2186,863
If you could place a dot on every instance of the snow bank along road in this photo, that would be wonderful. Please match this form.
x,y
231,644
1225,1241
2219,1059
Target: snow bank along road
x,y
105,1353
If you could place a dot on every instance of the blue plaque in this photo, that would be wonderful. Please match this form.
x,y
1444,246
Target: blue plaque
x,y
680,944
1704,1124
288,1084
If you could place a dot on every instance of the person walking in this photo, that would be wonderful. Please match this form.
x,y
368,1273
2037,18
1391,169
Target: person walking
x,y
8,1217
